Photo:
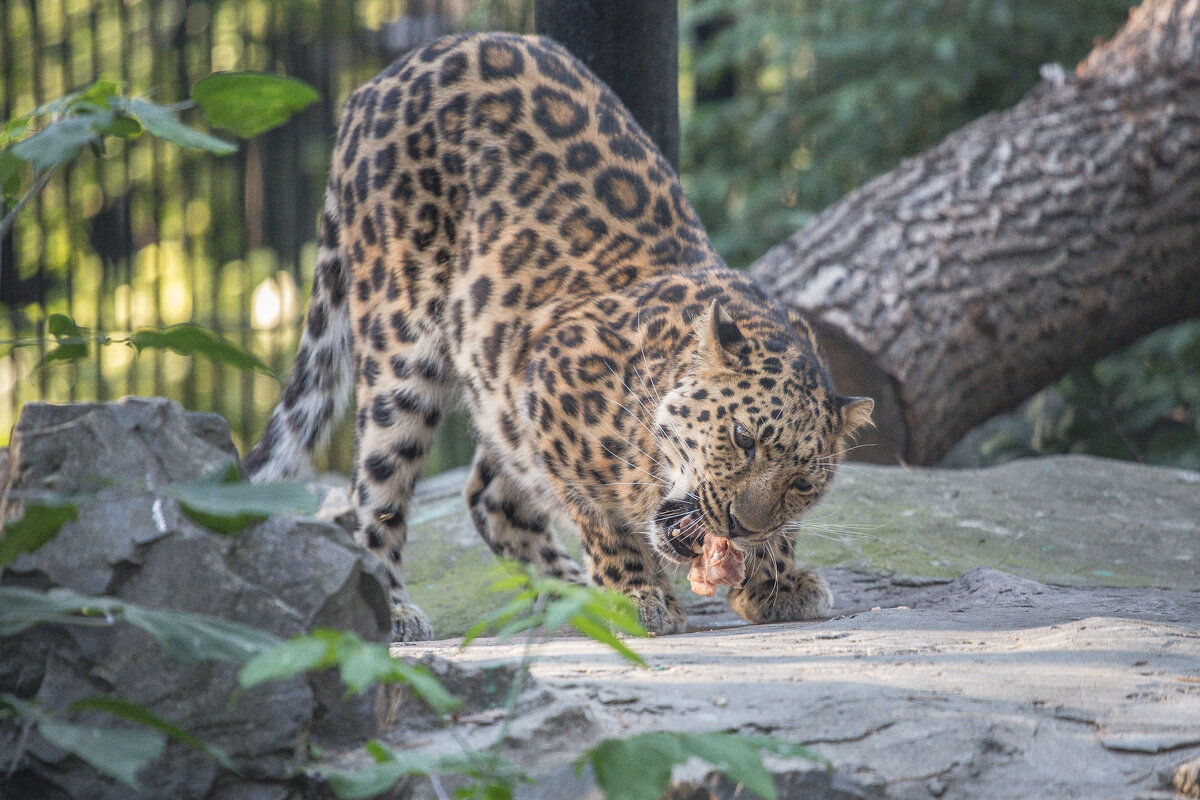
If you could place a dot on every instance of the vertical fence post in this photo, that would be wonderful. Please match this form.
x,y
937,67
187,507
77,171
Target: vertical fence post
x,y
633,45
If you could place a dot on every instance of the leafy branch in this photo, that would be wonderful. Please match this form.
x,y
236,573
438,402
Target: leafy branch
x,y
73,343
55,134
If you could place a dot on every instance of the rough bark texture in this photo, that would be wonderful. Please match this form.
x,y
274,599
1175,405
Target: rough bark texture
x,y
969,277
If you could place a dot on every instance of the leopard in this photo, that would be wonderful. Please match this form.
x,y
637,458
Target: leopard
x,y
497,230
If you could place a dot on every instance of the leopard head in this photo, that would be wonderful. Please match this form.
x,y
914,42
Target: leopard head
x,y
751,436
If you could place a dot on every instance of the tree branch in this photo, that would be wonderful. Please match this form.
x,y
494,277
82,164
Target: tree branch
x,y
970,276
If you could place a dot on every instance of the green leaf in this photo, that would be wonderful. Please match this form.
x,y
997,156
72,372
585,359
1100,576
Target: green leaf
x,y
183,636
99,93
124,127
286,660
370,781
639,767
188,340
61,325
593,630
10,175
734,756
390,767
58,143
71,352
163,123
41,522
134,712
231,507
360,664
72,341
250,103
194,637
117,752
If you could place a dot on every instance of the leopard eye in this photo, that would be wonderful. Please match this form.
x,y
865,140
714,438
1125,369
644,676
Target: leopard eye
x,y
742,437
802,486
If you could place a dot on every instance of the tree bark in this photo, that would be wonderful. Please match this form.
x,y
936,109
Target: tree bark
x,y
969,277
633,45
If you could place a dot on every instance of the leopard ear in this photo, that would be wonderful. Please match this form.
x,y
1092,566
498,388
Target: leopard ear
x,y
856,413
719,336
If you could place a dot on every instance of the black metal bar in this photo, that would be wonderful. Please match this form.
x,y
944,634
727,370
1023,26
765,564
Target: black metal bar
x,y
633,45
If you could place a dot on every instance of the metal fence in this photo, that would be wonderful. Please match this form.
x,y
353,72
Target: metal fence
x,y
150,234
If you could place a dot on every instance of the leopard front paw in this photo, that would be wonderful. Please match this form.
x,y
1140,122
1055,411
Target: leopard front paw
x,y
659,611
796,595
409,624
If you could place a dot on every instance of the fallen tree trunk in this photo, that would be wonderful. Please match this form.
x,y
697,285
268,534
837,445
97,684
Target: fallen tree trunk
x,y
969,277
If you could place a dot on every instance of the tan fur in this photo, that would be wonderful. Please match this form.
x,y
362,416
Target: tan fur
x,y
498,226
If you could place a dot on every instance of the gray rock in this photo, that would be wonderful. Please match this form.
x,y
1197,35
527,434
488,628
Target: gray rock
x,y
131,541
1026,631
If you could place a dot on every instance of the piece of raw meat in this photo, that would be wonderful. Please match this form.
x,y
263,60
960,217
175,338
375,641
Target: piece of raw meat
x,y
720,563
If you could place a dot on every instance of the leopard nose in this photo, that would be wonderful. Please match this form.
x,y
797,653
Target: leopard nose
x,y
736,528
748,519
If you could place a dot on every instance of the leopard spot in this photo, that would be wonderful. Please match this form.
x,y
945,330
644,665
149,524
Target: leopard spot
x,y
422,144
556,68
519,251
452,119
430,180
452,69
362,180
529,184
403,190
554,203
618,249
403,332
426,229
512,297
582,231
485,174
489,225
499,112
520,144
453,164
367,226
557,114
582,156
624,193
499,60
351,150
420,94
370,370
628,148
481,292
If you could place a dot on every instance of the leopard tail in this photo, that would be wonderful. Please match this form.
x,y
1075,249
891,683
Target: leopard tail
x,y
318,390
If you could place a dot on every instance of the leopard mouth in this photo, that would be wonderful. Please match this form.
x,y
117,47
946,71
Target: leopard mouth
x,y
677,522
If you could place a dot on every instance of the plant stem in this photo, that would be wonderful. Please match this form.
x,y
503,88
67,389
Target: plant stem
x,y
518,684
38,185
438,789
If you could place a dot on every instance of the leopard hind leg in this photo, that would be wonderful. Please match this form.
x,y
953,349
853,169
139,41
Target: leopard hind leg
x,y
511,522
400,402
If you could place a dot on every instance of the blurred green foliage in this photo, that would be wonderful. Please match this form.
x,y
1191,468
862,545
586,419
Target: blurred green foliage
x,y
1142,404
798,102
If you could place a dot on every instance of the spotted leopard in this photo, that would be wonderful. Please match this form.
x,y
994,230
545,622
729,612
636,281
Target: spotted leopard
x,y
496,225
